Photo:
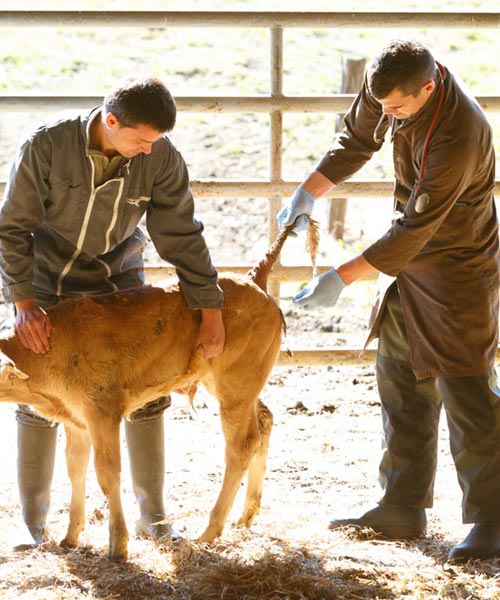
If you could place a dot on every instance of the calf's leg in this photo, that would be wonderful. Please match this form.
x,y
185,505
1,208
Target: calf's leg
x,y
257,466
105,435
77,460
241,432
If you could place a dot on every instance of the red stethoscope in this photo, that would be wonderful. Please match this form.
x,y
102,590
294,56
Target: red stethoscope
x,y
418,182
421,200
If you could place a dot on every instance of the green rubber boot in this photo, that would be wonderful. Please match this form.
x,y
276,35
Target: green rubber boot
x,y
145,441
35,468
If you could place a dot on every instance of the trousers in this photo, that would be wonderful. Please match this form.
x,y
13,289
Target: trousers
x,y
410,418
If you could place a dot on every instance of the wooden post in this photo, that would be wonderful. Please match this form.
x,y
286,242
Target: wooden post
x,y
352,79
276,141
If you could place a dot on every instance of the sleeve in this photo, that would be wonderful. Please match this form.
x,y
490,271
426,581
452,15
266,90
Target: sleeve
x,y
451,167
21,213
365,126
177,235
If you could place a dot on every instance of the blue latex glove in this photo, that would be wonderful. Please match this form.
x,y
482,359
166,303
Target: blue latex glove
x,y
301,204
321,291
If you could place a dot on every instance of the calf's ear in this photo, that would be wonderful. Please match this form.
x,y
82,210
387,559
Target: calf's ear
x,y
9,373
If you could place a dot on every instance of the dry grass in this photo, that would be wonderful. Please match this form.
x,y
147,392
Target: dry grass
x,y
322,462
246,566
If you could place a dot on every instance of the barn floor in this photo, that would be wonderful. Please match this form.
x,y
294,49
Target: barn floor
x,y
323,462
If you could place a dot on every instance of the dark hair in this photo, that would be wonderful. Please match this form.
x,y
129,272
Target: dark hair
x,y
142,102
403,64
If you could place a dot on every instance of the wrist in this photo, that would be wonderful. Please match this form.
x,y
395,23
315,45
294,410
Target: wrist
x,y
308,196
317,184
27,304
336,274
346,275
211,314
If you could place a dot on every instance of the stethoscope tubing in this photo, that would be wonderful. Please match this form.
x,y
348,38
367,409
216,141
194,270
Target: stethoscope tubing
x,y
430,131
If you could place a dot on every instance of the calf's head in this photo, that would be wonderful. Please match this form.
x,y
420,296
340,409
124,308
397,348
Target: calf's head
x,y
13,386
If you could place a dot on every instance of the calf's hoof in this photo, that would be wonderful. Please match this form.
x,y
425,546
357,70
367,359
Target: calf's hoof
x,y
118,553
209,535
246,519
68,544
250,511
118,544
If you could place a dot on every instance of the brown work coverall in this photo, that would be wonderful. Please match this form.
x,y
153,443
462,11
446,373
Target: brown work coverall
x,y
439,329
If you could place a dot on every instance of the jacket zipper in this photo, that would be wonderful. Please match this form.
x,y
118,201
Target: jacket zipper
x,y
83,231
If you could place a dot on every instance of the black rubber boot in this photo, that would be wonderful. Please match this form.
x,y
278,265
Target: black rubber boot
x,y
482,542
389,521
35,468
145,441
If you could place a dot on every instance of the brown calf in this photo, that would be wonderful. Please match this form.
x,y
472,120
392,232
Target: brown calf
x,y
112,354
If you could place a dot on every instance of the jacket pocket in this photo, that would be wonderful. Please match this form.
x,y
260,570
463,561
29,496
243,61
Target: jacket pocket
x,y
65,208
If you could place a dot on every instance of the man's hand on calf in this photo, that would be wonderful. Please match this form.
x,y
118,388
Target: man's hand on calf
x,y
301,205
33,326
212,335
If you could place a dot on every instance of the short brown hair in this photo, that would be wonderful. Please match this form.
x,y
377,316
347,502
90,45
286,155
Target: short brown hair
x,y
403,64
142,102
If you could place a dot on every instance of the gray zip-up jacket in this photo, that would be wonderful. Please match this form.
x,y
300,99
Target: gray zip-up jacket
x,y
62,236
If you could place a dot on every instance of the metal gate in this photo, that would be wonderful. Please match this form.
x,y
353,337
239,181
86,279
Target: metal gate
x,y
275,104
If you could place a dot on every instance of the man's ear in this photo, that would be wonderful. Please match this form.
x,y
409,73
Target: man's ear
x,y
111,120
429,86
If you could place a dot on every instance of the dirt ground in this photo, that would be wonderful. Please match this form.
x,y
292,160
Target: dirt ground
x,y
323,461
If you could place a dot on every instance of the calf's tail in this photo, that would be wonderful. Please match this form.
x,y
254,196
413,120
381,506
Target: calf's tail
x,y
260,274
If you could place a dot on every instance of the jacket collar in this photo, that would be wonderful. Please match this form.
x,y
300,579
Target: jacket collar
x,y
87,119
430,106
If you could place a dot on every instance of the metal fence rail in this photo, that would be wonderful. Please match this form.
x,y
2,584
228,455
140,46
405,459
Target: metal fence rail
x,y
316,20
275,104
213,104
236,188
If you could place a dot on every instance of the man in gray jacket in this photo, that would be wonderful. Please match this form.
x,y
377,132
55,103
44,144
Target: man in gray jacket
x,y
69,227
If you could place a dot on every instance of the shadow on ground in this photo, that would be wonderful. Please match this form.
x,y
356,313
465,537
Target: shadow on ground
x,y
201,572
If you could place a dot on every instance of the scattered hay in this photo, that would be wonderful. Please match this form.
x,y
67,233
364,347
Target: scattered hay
x,y
315,469
246,566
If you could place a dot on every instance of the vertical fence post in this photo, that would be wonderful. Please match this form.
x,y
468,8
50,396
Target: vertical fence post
x,y
276,137
352,79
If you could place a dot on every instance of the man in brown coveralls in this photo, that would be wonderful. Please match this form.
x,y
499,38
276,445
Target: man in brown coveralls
x,y
437,322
